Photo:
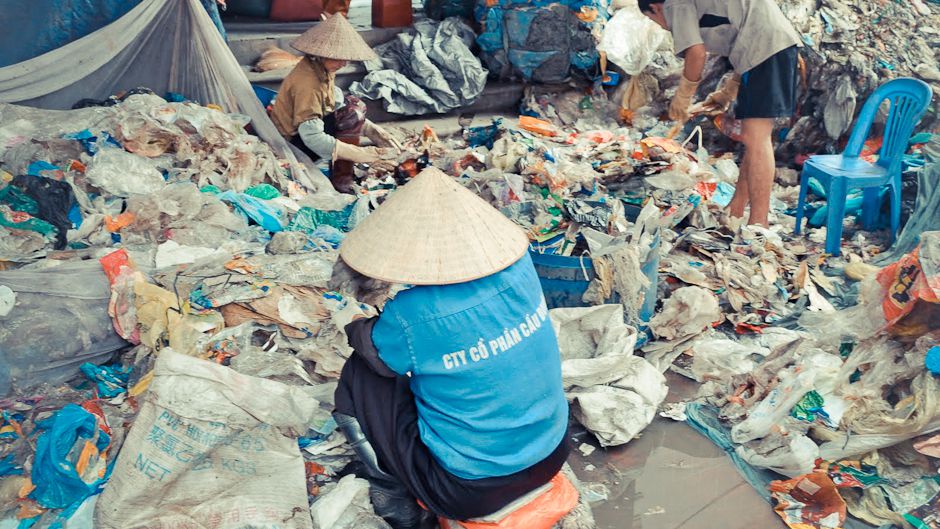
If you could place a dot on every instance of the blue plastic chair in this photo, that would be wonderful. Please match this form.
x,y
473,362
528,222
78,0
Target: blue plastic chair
x,y
838,173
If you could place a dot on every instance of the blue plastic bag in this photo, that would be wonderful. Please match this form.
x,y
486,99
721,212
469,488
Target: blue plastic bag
x,y
260,211
111,380
58,485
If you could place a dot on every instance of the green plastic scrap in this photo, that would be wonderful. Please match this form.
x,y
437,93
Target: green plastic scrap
x,y
18,200
210,189
20,220
846,349
307,219
263,191
808,407
847,475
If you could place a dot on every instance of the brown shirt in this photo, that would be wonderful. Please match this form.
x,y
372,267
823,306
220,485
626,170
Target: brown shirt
x,y
306,93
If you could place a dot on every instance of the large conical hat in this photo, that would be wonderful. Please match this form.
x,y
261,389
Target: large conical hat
x,y
433,231
334,38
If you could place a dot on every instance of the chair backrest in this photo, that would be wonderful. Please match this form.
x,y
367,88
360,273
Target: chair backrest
x,y
908,99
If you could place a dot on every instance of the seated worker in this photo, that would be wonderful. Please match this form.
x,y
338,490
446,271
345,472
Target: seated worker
x,y
310,110
453,395
763,49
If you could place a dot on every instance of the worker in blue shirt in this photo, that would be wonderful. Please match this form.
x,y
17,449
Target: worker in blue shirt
x,y
453,395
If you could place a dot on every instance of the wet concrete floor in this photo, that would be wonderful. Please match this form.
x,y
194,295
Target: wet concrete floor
x,y
671,477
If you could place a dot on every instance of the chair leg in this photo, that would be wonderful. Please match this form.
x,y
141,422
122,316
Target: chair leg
x,y
836,199
895,190
801,204
871,207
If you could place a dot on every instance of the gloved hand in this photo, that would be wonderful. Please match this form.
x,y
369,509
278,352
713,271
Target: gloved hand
x,y
379,136
355,153
679,108
720,100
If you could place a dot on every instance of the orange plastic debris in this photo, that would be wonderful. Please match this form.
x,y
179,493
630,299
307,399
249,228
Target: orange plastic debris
x,y
120,222
27,488
77,166
114,262
541,513
666,144
537,126
29,510
587,14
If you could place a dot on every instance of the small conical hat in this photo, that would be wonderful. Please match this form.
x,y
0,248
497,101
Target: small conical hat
x,y
433,231
334,38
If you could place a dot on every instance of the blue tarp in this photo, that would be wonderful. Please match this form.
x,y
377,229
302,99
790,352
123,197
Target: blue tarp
x,y
40,26
35,27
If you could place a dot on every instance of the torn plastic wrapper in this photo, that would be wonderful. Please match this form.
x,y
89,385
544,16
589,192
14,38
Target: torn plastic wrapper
x,y
809,501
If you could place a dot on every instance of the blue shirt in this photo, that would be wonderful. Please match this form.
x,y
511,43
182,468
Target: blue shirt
x,y
485,370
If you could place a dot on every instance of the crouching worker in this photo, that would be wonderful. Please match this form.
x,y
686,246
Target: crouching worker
x,y
310,110
762,46
453,395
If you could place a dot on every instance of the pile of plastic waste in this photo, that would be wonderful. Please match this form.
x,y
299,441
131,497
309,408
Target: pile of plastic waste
x,y
846,407
172,265
138,238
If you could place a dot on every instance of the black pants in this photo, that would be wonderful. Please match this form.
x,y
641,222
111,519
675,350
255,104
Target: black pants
x,y
385,407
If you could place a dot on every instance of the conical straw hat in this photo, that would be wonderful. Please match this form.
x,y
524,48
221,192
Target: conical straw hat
x,y
334,38
433,231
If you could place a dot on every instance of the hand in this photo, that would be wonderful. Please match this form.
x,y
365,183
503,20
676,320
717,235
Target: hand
x,y
720,100
379,136
679,108
355,153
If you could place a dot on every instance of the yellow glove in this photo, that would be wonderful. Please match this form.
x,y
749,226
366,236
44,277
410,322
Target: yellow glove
x,y
679,108
354,153
379,136
720,100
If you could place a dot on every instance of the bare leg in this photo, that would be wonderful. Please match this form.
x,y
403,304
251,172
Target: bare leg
x,y
741,194
760,164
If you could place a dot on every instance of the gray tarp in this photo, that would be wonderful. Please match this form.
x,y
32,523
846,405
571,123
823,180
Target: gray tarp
x,y
429,69
925,217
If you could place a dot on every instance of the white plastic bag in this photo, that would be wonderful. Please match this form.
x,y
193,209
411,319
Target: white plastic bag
x,y
346,506
689,311
721,358
124,174
211,448
595,344
794,457
631,39
616,413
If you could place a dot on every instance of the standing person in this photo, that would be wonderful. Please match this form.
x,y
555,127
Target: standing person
x,y
310,110
453,395
763,49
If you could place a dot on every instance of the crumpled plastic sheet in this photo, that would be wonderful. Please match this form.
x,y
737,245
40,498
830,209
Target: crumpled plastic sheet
x,y
614,394
631,39
66,305
346,506
924,218
429,69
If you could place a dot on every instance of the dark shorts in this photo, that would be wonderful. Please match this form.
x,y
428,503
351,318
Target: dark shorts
x,y
385,408
769,89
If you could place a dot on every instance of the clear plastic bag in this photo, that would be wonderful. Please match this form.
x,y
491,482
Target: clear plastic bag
x,y
123,174
60,321
631,40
